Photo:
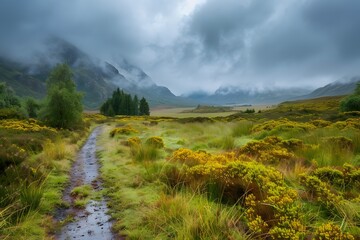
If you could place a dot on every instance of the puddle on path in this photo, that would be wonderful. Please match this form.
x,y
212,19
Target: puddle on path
x,y
93,221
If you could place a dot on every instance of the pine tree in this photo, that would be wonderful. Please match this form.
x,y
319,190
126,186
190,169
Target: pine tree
x,y
144,107
136,105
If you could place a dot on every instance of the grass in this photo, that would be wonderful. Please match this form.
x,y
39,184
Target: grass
x,y
152,197
221,189
35,186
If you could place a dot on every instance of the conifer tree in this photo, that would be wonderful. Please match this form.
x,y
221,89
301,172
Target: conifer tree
x,y
144,107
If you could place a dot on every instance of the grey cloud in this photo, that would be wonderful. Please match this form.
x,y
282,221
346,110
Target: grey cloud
x,y
244,43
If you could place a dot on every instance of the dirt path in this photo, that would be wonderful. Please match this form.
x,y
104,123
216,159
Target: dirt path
x,y
91,222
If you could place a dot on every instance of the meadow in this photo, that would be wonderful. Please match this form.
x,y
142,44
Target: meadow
x,y
290,172
285,172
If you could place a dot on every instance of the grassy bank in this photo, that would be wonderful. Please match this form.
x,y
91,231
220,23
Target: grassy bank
x,y
31,186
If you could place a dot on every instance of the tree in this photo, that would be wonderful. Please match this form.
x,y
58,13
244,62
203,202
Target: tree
x,y
121,103
7,97
144,107
63,108
136,105
32,107
352,102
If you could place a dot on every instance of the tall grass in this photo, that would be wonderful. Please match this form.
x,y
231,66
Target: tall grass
x,y
144,152
192,216
242,128
30,196
54,150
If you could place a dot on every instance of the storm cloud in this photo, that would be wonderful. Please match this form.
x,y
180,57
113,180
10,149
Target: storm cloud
x,y
192,45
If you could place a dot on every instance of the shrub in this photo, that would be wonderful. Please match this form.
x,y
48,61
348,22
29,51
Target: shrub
x,y
10,154
133,142
330,231
156,142
270,150
127,130
11,113
350,103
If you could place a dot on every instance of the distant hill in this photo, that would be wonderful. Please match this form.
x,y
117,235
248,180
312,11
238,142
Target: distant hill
x,y
96,78
235,96
343,86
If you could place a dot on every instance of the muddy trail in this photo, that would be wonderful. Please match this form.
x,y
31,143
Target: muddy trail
x,y
91,222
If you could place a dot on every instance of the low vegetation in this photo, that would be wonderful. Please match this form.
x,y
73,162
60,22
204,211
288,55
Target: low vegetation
x,y
209,109
291,172
278,174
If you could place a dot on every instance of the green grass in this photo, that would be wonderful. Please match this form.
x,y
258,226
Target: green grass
x,y
35,187
151,197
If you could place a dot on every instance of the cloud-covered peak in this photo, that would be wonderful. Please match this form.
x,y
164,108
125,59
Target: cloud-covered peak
x,y
192,45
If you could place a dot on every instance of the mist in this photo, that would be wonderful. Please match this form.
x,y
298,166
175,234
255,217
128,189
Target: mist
x,y
198,45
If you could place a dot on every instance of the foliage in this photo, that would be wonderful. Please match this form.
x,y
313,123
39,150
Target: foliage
x,y
32,107
209,109
249,110
144,107
29,125
63,107
10,154
271,150
120,103
133,141
351,102
331,231
156,142
10,113
7,97
123,130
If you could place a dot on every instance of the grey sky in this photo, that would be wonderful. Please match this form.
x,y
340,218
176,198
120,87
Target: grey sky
x,y
191,45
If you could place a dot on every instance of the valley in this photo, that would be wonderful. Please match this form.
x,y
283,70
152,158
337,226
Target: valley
x,y
166,176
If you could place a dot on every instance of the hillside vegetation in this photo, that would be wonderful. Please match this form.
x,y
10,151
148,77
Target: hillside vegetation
x,y
286,173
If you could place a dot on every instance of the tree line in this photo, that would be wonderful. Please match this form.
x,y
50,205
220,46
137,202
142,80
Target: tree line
x,y
122,103
62,107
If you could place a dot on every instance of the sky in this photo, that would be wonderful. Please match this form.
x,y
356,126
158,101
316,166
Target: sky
x,y
199,45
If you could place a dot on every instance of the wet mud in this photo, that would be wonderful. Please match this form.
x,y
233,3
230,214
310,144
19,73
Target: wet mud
x,y
92,222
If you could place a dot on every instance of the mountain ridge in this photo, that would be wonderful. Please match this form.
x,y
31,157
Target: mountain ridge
x,y
95,77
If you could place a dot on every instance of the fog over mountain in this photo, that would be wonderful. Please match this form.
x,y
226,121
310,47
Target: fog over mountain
x,y
198,45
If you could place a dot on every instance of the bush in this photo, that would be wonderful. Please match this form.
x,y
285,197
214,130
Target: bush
x,y
10,154
350,103
156,142
8,113
331,231
127,130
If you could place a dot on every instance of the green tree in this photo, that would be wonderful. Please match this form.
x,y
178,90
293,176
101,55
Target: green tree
x,y
32,107
8,98
144,107
136,105
352,102
63,108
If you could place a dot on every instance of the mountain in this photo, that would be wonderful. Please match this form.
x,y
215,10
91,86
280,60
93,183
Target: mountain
x,y
236,96
343,86
96,78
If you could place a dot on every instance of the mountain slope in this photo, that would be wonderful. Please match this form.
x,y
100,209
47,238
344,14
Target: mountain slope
x,y
235,96
94,77
340,87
